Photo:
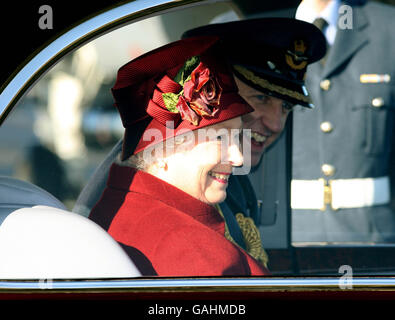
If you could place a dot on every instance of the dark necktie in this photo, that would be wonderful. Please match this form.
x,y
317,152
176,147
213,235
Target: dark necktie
x,y
322,24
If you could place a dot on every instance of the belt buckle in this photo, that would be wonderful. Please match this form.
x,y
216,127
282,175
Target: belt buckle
x,y
327,193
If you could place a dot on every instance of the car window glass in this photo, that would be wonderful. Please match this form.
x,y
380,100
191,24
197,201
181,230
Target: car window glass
x,y
62,129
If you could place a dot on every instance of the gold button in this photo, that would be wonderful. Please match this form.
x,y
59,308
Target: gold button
x,y
325,84
328,169
326,127
377,102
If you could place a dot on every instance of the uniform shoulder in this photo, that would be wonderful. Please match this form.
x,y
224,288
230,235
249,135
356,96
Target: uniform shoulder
x,y
380,13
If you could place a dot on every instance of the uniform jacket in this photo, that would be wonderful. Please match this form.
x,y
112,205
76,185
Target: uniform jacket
x,y
240,197
361,143
165,231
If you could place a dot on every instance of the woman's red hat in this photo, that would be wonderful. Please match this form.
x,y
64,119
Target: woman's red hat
x,y
184,85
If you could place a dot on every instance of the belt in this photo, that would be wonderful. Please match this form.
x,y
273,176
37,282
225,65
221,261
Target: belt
x,y
339,194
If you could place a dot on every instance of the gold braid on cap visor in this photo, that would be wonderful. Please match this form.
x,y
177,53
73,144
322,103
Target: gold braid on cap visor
x,y
249,75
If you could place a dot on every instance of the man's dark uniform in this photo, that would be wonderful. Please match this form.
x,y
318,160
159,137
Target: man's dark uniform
x,y
271,55
240,198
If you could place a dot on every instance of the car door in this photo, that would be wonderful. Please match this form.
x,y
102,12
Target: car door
x,y
27,122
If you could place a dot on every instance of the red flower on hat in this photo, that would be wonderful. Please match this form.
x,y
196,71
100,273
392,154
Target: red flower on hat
x,y
186,112
202,91
200,95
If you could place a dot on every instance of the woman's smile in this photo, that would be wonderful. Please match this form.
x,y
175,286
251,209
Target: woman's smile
x,y
221,177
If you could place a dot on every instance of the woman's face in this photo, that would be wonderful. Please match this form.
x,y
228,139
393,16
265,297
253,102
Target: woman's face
x,y
203,168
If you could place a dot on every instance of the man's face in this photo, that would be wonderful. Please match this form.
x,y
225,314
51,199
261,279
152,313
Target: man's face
x,y
266,122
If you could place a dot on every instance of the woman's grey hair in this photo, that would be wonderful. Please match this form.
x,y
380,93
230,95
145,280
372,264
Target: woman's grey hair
x,y
144,159
137,161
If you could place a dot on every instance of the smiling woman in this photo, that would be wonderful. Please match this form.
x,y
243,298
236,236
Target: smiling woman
x,y
164,215
206,157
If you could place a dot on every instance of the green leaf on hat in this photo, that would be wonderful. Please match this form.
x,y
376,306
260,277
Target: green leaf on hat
x,y
184,74
171,99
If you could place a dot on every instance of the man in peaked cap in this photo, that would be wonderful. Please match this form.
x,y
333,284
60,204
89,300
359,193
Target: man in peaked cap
x,y
269,57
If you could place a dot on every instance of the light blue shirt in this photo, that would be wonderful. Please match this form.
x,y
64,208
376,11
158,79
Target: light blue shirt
x,y
330,14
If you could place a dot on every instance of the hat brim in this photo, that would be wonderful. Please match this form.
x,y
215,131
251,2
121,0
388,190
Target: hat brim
x,y
275,85
232,106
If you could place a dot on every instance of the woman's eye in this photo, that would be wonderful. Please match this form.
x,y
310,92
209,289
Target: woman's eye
x,y
224,139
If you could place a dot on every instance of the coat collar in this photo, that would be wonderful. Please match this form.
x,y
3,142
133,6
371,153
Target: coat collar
x,y
347,41
331,13
137,181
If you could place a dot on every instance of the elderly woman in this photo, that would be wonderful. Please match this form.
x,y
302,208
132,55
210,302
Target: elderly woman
x,y
181,112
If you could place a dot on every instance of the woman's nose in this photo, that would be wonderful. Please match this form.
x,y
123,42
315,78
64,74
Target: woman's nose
x,y
235,157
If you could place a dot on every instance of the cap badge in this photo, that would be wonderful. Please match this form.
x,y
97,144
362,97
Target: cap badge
x,y
295,58
200,94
